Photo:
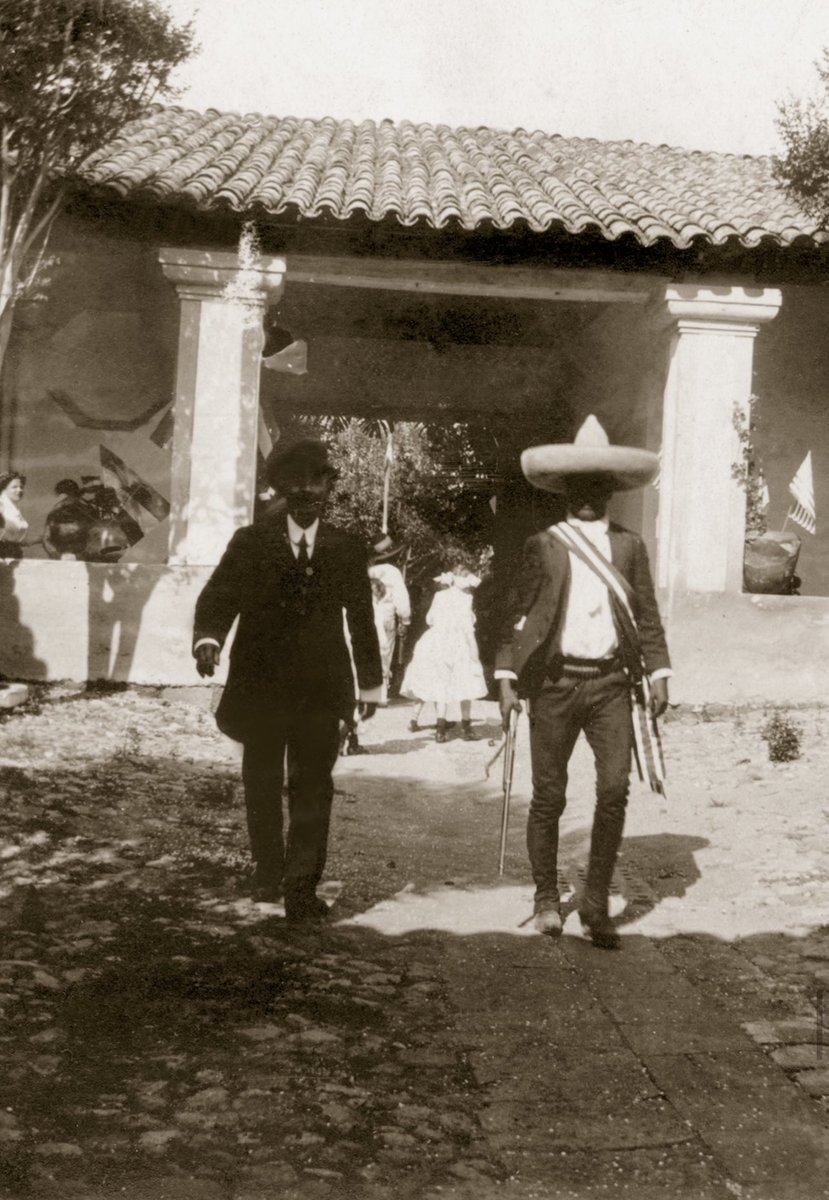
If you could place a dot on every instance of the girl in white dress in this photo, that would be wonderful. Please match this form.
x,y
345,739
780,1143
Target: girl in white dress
x,y
445,667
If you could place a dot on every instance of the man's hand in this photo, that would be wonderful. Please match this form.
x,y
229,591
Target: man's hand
x,y
207,658
659,696
508,700
366,709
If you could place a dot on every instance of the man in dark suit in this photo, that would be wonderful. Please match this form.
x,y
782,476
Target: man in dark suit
x,y
565,648
290,579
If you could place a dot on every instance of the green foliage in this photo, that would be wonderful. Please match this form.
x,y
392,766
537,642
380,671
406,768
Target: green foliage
x,y
72,72
432,508
782,735
804,127
748,470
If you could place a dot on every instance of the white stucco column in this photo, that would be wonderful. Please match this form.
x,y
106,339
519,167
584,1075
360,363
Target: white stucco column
x,y
217,395
701,525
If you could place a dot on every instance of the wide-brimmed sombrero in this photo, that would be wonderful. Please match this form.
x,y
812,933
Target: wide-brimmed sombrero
x,y
590,453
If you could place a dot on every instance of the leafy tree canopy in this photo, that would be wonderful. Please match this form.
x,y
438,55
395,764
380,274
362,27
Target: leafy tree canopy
x,y
434,506
72,72
804,126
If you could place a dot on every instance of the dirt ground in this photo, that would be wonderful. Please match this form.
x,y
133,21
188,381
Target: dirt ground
x,y
164,1037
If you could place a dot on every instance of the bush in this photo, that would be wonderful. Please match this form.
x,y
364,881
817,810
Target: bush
x,y
782,736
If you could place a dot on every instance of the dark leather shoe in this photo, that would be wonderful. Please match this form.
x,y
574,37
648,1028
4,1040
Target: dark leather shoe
x,y
265,886
547,920
466,732
440,731
301,909
599,926
266,893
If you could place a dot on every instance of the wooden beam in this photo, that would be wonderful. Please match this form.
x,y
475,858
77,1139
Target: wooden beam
x,y
471,279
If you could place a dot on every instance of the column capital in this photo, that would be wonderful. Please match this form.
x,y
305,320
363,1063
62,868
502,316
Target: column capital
x,y
733,311
211,274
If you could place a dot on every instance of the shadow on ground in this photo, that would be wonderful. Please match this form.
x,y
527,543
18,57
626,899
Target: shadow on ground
x,y
164,1037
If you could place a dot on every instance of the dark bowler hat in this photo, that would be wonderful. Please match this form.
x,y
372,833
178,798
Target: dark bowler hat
x,y
302,460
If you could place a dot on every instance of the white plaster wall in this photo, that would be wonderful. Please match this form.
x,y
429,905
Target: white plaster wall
x,y
791,380
104,334
79,621
741,649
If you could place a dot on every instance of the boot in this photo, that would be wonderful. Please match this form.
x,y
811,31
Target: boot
x,y
596,922
440,731
547,918
466,731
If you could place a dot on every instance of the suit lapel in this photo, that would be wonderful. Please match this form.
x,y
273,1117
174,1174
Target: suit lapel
x,y
620,551
276,543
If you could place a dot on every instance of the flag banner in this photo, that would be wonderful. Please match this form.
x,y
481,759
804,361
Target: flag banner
x,y
266,442
293,360
162,435
803,490
134,493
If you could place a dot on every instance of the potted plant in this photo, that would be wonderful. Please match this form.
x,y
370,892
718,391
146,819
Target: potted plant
x,y
770,554
89,522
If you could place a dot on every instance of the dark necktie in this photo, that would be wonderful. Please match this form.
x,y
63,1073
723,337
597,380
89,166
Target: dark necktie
x,y
303,560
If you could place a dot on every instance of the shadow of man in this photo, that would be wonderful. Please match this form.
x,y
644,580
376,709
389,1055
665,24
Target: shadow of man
x,y
18,660
117,598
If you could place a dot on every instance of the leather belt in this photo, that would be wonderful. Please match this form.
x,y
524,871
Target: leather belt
x,y
586,668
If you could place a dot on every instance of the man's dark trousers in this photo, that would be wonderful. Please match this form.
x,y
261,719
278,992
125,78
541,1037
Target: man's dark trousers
x,y
558,713
311,738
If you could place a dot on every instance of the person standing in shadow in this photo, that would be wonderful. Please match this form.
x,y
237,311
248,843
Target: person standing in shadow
x,y
289,578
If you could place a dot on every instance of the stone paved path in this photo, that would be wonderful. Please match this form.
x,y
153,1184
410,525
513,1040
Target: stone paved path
x,y
164,1038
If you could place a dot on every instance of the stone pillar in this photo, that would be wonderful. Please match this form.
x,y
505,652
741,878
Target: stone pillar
x,y
701,525
217,396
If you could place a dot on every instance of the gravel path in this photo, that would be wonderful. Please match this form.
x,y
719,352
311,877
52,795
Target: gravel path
x,y
164,1037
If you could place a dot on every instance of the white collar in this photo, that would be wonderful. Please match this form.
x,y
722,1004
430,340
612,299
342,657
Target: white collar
x,y
296,532
601,523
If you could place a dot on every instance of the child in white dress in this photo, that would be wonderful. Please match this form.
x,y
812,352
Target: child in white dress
x,y
445,667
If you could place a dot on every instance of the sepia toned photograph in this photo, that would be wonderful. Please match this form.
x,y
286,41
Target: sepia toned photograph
x,y
414,600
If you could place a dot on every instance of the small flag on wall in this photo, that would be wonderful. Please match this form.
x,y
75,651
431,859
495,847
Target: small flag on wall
x,y
291,360
138,498
803,490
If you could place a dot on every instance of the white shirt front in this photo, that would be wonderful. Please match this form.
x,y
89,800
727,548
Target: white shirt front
x,y
588,630
296,533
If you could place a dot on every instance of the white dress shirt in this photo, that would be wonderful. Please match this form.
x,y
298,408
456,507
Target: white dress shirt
x,y
588,629
296,533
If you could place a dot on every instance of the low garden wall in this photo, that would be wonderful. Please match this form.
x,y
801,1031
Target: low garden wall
x,y
133,623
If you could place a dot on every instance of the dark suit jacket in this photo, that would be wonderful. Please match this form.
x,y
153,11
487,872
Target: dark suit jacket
x,y
538,601
290,648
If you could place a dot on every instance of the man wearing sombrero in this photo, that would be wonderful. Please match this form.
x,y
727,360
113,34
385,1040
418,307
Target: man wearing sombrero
x,y
583,643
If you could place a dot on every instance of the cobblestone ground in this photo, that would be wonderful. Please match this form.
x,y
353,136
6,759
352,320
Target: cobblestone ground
x,y
164,1037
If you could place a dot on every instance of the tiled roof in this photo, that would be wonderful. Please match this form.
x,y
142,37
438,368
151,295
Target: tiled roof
x,y
443,177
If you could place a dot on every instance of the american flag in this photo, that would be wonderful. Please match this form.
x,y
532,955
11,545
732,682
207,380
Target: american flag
x,y
803,490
